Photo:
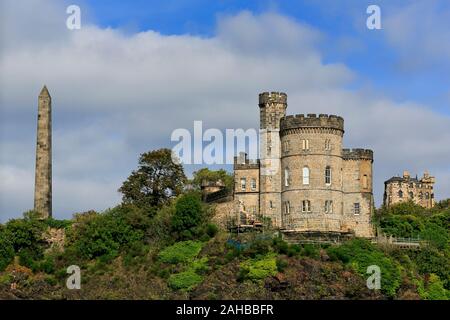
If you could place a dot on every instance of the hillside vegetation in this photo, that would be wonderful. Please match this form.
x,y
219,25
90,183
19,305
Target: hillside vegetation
x,y
169,249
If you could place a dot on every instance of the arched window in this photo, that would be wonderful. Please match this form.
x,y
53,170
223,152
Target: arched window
x,y
420,195
400,194
427,195
411,195
328,175
305,175
286,177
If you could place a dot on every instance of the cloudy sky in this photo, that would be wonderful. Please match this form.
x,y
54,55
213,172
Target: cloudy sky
x,y
137,70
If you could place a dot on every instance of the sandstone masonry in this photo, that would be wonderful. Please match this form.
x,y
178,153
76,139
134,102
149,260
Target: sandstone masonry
x,y
402,189
43,178
306,182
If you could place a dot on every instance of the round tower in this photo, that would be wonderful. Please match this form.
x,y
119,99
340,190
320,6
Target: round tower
x,y
311,172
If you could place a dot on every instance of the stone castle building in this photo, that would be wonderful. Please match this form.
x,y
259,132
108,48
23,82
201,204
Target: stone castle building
x,y
403,189
305,181
43,173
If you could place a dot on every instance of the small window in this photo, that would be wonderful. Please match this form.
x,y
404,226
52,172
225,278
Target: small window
x,y
327,144
328,206
400,194
356,209
306,206
427,196
286,177
420,195
270,204
253,185
365,182
305,144
305,175
411,195
243,184
287,207
286,146
328,175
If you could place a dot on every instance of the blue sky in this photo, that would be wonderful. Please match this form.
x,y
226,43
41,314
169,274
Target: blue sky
x,y
342,23
137,70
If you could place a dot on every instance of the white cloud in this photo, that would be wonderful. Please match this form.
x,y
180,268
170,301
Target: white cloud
x,y
116,95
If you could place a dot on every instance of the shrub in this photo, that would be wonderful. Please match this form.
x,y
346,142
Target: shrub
x,y
434,290
430,260
360,254
6,249
105,234
436,235
281,264
180,252
186,280
211,230
188,214
258,269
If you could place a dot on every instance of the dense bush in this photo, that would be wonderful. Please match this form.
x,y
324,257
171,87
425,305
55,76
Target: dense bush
x,y
360,254
181,252
25,235
260,268
96,235
185,280
6,248
188,215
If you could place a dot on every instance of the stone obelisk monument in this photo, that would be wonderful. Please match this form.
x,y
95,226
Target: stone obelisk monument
x,y
43,179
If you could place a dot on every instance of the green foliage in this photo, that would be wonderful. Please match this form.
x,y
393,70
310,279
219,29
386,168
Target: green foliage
x,y
155,182
211,230
281,264
188,215
259,268
57,224
436,235
25,235
96,235
212,176
6,248
181,252
186,280
359,254
431,260
404,208
434,289
405,226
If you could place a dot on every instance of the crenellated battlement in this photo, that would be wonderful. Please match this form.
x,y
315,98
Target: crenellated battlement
x,y
357,154
312,120
272,97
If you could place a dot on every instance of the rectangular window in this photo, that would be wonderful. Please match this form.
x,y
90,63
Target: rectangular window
x,y
305,172
286,146
306,206
356,209
271,204
327,144
253,185
328,175
243,184
286,177
305,144
328,206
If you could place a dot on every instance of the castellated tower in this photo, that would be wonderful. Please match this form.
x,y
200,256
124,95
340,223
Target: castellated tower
x,y
272,108
43,178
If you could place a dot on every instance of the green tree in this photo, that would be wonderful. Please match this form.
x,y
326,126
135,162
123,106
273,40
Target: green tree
x,y
188,214
155,182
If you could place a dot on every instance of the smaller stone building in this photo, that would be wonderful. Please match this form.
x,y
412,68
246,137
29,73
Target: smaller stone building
x,y
403,189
